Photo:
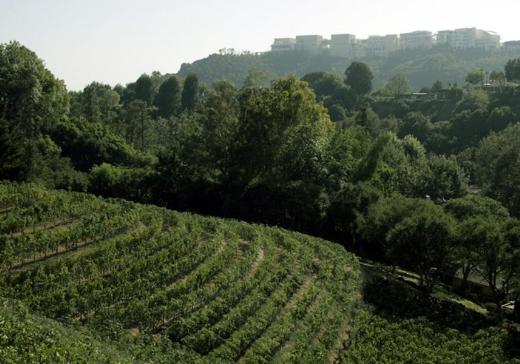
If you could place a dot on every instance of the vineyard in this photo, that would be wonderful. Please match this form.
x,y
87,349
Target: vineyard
x,y
80,275
226,290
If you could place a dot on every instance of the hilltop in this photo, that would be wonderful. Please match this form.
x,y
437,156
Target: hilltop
x,y
421,66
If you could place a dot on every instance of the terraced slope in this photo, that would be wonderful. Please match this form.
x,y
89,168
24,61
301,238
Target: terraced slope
x,y
227,290
29,338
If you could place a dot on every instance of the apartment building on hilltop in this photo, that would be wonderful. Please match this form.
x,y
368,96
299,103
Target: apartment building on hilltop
x,y
347,45
342,45
513,45
309,43
469,38
381,45
416,40
283,44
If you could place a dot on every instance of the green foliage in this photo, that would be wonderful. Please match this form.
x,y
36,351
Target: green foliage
x,y
30,338
446,178
13,164
383,339
96,103
228,290
257,78
397,86
283,132
144,89
190,93
88,144
323,84
168,98
358,77
113,181
422,67
25,338
476,77
498,167
513,70
32,102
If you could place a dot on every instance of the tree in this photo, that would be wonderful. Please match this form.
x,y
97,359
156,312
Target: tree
x,y
190,93
167,100
498,261
447,179
437,86
257,78
32,102
358,77
420,241
282,129
498,78
323,84
397,86
137,119
498,167
144,89
96,103
13,164
512,70
416,124
476,77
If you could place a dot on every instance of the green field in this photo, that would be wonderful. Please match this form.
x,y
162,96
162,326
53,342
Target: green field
x,y
91,280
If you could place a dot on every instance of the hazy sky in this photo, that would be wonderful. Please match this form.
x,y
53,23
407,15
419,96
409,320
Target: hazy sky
x,y
117,40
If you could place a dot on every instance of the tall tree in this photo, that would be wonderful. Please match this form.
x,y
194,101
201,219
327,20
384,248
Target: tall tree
x,y
190,93
167,100
358,77
512,70
32,101
476,77
398,86
13,164
144,89
498,167
137,118
96,103
257,78
421,240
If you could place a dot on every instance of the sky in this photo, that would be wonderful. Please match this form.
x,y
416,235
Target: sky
x,y
115,41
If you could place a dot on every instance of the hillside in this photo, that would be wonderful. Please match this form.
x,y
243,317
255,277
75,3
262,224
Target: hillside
x,y
97,272
224,289
30,338
421,67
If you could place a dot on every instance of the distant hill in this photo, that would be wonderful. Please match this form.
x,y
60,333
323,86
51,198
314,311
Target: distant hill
x,y
422,67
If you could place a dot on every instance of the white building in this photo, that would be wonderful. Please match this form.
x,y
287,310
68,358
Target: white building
x,y
469,38
346,45
487,40
381,45
309,43
342,45
444,37
416,40
283,45
513,45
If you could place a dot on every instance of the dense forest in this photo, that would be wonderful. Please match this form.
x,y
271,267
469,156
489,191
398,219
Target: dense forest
x,y
421,66
427,182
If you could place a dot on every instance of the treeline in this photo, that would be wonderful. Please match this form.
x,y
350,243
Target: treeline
x,y
421,66
421,183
